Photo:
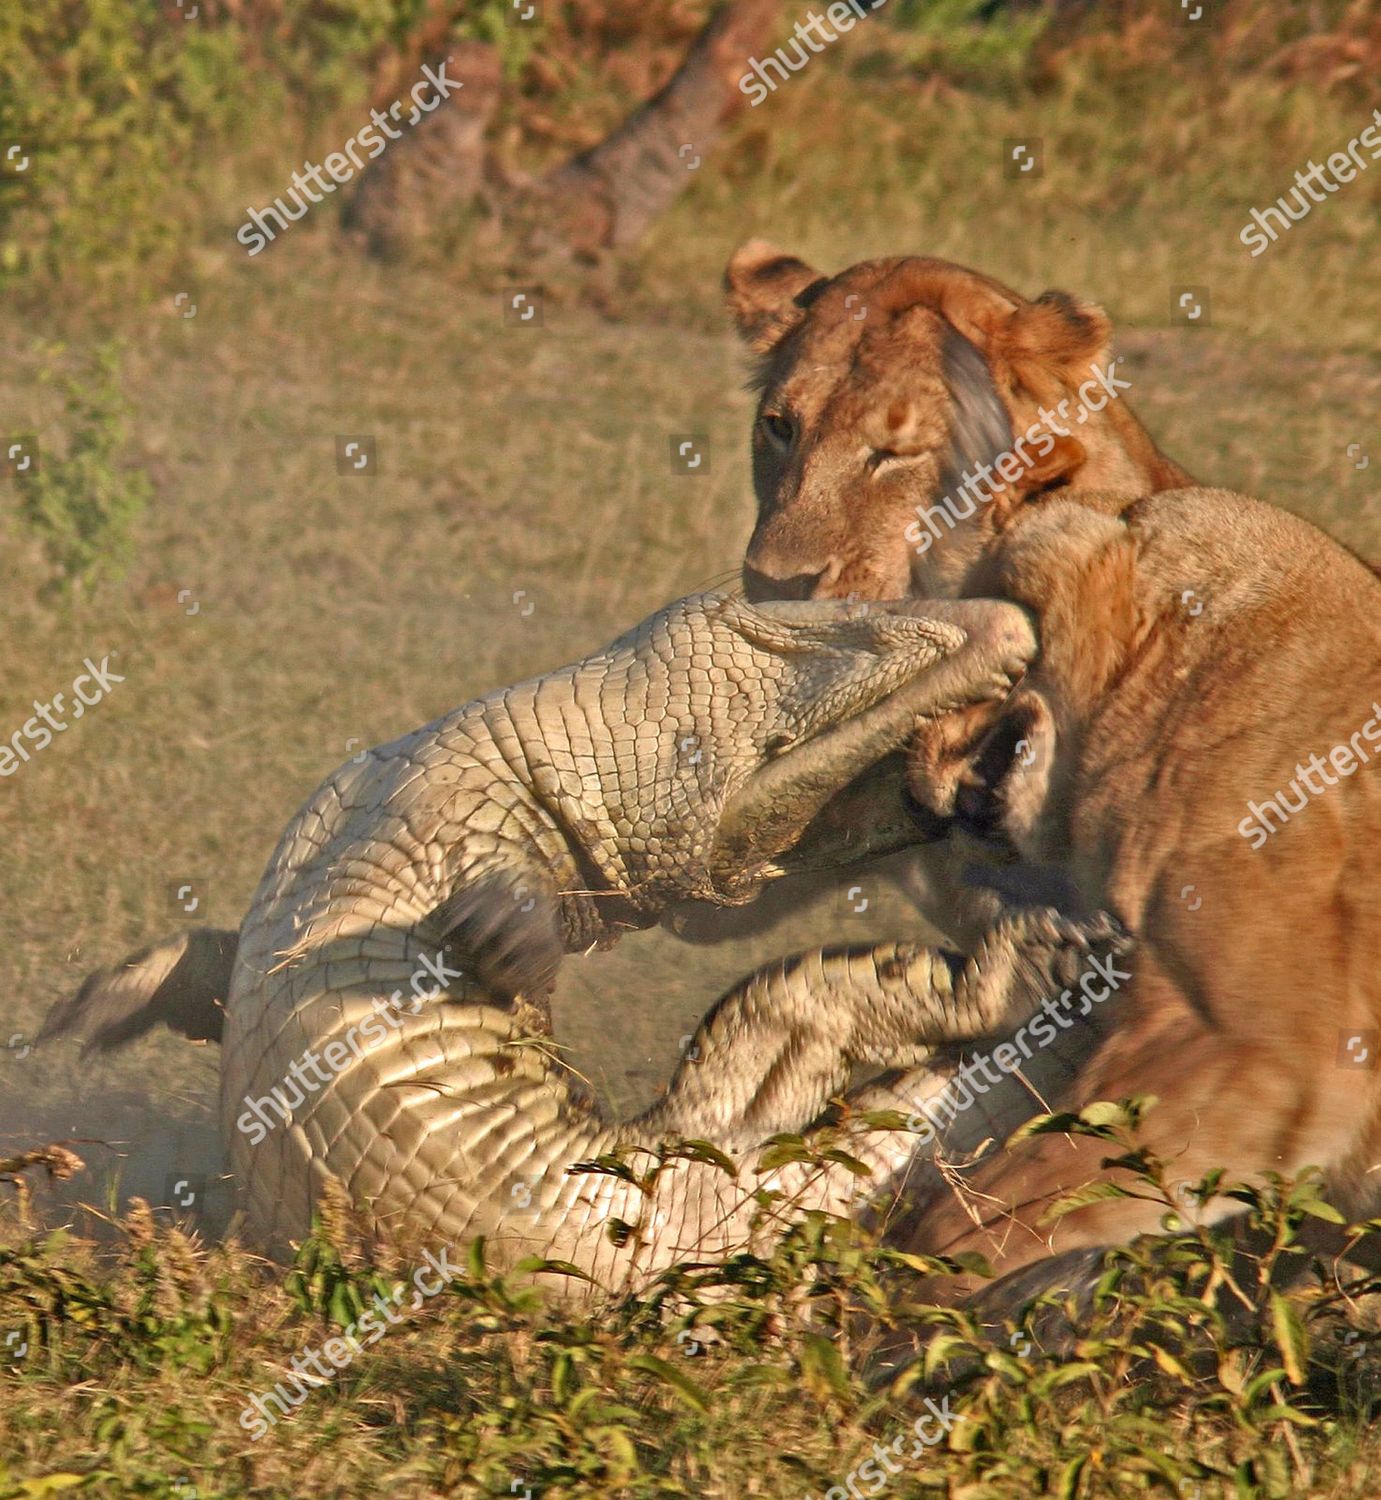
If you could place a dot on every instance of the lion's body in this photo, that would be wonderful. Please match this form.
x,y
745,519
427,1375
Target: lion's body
x,y
1197,649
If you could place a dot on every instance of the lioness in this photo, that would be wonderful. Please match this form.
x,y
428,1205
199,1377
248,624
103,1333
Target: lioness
x,y
1199,651
888,392
907,407
1205,730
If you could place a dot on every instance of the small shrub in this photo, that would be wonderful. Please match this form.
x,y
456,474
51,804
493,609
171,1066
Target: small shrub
x,y
85,503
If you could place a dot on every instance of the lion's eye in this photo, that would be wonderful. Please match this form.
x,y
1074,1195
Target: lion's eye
x,y
779,429
880,457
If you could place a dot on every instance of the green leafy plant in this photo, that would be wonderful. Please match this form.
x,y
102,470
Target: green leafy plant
x,y
114,107
971,41
85,501
1213,1361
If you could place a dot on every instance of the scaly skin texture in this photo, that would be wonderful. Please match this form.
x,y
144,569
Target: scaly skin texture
x,y
682,762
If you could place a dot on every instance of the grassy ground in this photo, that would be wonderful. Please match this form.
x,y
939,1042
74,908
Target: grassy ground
x,y
170,1369
524,510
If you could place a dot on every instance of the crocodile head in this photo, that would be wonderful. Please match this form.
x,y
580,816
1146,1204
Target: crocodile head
x,y
738,727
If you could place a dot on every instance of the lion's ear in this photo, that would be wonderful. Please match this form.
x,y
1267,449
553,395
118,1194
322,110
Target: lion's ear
x,y
1055,334
764,286
978,308
1043,345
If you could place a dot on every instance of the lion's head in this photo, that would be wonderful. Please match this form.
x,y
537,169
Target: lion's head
x,y
889,391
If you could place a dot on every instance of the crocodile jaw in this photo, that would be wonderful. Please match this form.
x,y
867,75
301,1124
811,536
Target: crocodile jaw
x,y
771,812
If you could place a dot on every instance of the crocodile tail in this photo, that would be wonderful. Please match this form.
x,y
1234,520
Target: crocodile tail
x,y
182,982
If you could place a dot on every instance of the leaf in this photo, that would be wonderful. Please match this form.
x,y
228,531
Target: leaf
x,y
1141,1162
927,1265
1289,1414
588,1396
1102,1112
852,1163
705,1151
1231,1375
620,1231
1068,1486
751,1376
1065,1375
822,1369
345,1305
1103,1120
1320,1209
540,1263
50,1484
1172,1364
608,1165
883,1119
1290,1334
1060,1124
1002,1362
621,1449
681,1384
474,1258
1259,1384
563,1376
943,1347
782,1153
1091,1192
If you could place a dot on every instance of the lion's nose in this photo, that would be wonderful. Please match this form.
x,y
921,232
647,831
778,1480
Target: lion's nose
x,y
762,583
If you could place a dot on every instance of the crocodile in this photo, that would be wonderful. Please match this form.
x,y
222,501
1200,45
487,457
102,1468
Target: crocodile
x,y
386,1018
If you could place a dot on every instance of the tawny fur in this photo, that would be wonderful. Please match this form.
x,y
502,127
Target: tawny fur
x,y
1197,647
934,366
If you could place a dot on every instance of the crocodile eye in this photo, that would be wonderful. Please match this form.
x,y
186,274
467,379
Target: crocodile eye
x,y
779,428
779,744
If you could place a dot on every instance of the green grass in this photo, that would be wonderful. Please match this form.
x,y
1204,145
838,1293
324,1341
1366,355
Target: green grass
x,y
137,1372
275,611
